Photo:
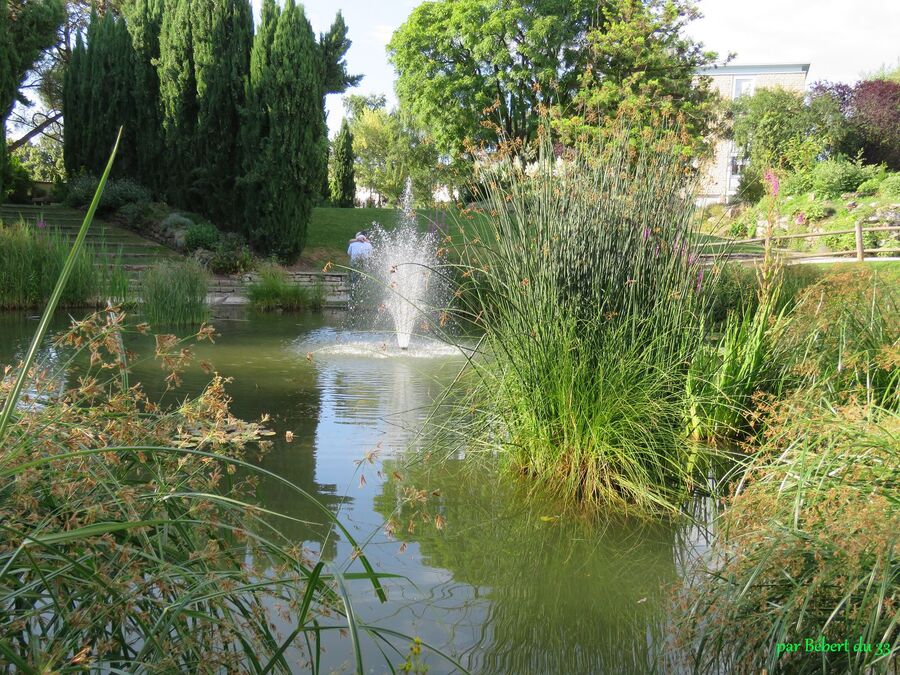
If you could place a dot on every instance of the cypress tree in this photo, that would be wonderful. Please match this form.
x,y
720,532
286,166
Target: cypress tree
x,y
144,24
222,34
343,183
73,109
178,97
286,171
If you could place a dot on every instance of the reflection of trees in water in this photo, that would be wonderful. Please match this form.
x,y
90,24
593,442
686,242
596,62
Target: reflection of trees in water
x,y
565,595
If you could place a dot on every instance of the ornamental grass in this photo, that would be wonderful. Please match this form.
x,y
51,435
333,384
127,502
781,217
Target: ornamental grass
x,y
585,280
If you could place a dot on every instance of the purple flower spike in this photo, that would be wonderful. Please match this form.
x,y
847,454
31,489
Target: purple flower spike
x,y
41,224
772,181
699,278
646,233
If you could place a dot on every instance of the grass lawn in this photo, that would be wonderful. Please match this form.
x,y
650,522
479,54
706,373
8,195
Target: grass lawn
x,y
331,229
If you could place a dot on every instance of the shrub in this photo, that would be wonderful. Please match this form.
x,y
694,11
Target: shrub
x,y
833,177
868,187
817,210
175,293
808,546
201,235
273,290
175,221
890,186
797,183
231,256
117,193
16,181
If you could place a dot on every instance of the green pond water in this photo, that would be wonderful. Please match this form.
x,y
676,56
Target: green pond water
x,y
506,585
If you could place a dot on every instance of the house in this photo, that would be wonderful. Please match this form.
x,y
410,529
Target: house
x,y
723,171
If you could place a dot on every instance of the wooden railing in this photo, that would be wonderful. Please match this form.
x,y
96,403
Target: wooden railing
x,y
860,251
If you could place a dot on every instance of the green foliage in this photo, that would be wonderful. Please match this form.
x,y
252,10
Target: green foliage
x,y
221,36
117,194
797,183
174,293
273,290
231,256
342,179
43,160
890,186
16,181
586,61
816,210
286,129
833,177
782,557
723,378
640,64
868,187
388,151
201,235
777,128
586,284
30,263
72,515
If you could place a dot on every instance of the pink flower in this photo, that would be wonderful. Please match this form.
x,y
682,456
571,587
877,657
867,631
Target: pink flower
x,y
772,181
646,233
41,224
800,219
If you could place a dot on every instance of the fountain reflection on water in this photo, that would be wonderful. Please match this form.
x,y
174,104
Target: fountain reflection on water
x,y
400,276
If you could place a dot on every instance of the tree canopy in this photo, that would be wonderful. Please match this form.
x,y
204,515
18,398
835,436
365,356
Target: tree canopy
x,y
480,70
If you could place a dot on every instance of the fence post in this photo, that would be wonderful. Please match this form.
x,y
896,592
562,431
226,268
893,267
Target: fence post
x,y
860,251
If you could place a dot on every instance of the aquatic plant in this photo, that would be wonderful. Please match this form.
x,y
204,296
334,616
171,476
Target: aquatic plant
x,y
174,293
30,261
273,290
808,548
586,283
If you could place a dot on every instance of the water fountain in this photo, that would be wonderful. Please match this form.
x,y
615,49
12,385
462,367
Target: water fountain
x,y
402,266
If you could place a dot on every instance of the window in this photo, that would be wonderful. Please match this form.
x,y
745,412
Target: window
x,y
743,86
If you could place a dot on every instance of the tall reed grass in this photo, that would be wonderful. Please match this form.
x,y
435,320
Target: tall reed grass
x,y
274,290
587,284
31,261
174,293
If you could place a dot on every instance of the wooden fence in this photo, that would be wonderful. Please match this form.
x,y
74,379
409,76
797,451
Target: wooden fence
x,y
860,251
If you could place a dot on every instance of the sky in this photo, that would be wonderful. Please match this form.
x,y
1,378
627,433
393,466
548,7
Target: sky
x,y
841,40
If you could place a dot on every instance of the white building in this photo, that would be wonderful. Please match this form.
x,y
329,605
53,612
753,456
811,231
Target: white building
x,y
723,171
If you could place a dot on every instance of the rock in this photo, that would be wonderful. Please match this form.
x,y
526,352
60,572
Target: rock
x,y
179,238
873,219
851,205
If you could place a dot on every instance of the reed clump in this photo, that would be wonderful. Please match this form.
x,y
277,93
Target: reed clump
x,y
174,293
586,282
31,261
274,290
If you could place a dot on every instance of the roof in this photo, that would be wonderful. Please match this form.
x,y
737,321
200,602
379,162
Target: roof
x,y
754,69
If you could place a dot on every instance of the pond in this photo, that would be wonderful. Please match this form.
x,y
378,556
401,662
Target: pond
x,y
494,576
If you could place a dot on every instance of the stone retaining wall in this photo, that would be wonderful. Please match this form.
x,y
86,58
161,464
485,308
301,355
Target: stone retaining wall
x,y
232,290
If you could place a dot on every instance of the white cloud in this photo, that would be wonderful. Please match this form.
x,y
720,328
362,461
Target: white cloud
x,y
381,34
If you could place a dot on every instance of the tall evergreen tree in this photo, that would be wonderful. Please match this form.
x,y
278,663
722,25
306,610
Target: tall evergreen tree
x,y
343,183
144,24
178,97
222,35
286,92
